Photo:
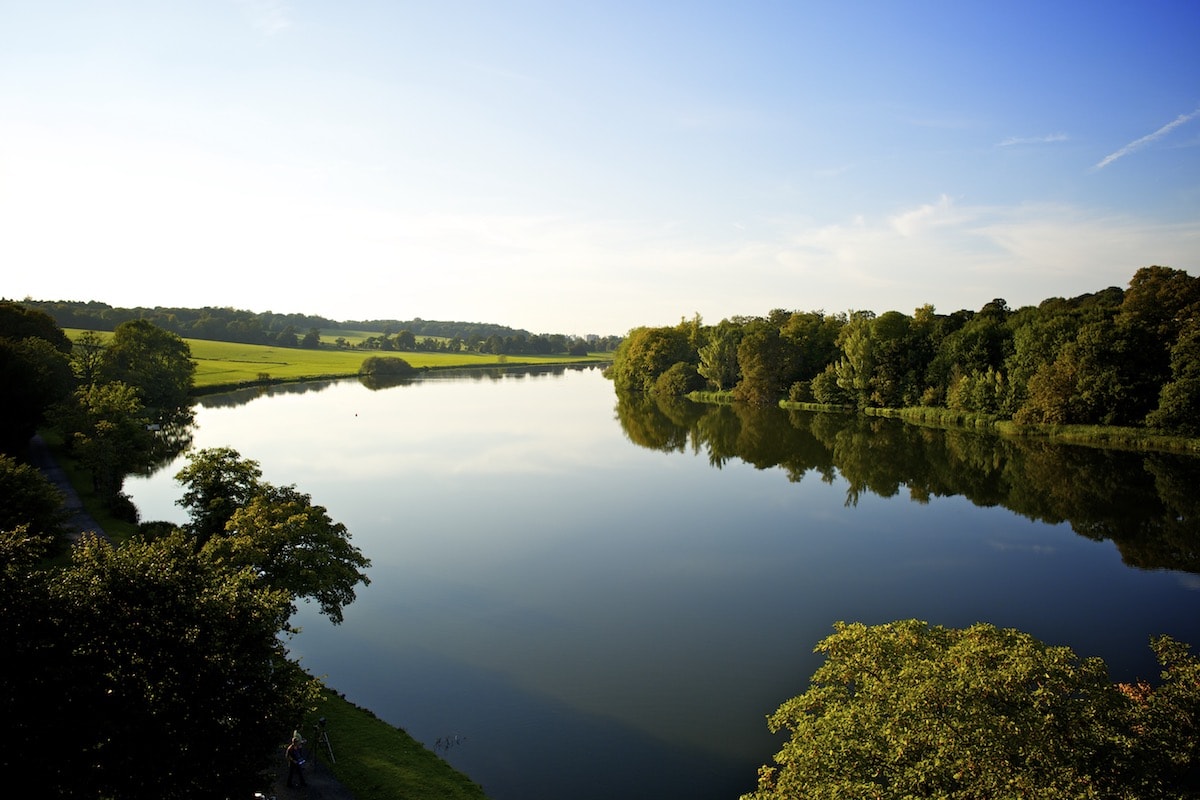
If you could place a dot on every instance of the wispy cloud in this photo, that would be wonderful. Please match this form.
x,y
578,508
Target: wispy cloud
x,y
268,16
1138,144
1047,139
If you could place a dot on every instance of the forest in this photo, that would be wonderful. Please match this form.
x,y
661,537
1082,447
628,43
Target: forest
x,y
1127,357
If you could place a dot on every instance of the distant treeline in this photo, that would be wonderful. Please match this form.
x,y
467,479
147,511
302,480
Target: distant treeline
x,y
304,330
1113,357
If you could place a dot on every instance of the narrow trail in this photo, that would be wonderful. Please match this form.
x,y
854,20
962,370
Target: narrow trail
x,y
79,521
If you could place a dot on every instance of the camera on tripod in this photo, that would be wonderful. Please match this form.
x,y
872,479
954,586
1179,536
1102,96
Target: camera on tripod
x,y
323,738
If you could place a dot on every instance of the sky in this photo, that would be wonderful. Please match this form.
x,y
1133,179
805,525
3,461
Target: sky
x,y
570,167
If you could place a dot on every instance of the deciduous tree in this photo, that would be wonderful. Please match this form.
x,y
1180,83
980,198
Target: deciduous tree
x,y
910,710
154,361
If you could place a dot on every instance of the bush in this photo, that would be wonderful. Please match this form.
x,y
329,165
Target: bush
x,y
386,367
679,379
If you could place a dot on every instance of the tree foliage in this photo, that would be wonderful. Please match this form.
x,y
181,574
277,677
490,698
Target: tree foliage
x,y
217,482
154,361
145,670
908,710
110,434
35,372
1112,357
647,353
292,544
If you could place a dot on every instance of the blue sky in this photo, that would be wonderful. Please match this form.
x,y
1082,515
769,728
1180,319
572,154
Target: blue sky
x,y
588,167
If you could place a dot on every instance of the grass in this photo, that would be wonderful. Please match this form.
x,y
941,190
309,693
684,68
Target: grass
x,y
378,761
228,365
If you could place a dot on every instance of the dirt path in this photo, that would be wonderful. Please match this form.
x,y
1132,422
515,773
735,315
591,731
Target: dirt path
x,y
321,783
79,521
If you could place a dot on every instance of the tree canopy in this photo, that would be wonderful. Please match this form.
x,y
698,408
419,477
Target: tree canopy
x,y
293,545
907,710
154,361
145,670
35,372
1113,357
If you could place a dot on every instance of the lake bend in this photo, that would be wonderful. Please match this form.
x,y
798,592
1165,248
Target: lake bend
x,y
578,596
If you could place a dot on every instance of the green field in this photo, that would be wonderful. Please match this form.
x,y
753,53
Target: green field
x,y
228,364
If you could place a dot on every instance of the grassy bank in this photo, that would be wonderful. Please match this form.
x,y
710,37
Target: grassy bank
x,y
378,761
229,365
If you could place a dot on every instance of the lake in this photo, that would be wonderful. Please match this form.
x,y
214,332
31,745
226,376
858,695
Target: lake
x,y
575,596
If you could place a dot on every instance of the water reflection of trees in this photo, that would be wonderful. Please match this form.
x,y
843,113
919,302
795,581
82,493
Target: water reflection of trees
x,y
1144,502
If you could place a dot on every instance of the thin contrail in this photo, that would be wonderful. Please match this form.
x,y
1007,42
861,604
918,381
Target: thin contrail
x,y
1137,144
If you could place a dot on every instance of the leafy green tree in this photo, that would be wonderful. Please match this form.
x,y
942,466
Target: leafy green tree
x,y
812,337
242,521
87,357
1179,401
217,482
906,710
109,432
764,360
647,353
718,357
154,361
144,670
293,545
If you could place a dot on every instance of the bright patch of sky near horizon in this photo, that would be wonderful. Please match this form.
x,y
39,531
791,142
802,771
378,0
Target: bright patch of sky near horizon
x,y
590,167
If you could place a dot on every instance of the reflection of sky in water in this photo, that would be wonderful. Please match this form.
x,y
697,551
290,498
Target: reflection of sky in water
x,y
536,574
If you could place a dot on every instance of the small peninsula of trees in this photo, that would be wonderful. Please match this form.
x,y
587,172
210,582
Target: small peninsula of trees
x,y
1115,357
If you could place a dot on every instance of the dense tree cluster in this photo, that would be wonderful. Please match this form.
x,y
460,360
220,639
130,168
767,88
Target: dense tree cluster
x,y
906,710
144,670
1114,357
153,666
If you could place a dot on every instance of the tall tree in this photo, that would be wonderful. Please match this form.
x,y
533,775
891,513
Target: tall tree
x,y
292,544
764,360
110,434
154,361
718,356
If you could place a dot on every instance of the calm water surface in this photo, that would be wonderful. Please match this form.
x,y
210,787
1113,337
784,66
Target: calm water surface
x,y
568,604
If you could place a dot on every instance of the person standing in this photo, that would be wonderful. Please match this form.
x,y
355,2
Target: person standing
x,y
295,761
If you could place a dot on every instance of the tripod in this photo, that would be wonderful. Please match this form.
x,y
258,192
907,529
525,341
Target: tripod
x,y
323,738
